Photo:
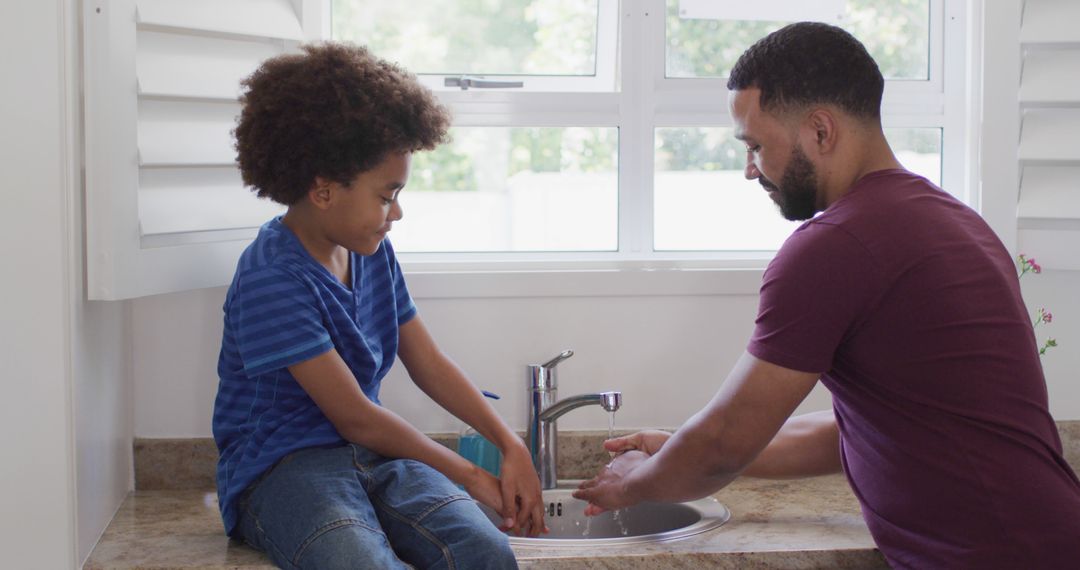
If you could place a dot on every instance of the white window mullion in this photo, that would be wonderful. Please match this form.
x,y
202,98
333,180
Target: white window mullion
x,y
960,117
516,109
635,132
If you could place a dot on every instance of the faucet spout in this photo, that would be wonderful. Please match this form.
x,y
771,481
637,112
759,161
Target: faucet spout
x,y
545,407
610,401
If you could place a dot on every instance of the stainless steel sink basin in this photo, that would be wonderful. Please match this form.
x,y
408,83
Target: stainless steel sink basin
x,y
646,522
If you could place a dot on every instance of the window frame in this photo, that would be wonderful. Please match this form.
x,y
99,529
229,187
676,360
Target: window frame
x,y
647,99
125,262
604,77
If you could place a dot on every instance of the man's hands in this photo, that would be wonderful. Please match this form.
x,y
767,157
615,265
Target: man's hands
x,y
606,491
648,441
523,506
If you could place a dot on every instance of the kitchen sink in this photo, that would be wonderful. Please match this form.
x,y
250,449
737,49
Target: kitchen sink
x,y
645,522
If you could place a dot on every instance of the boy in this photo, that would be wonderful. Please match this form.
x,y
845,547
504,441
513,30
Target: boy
x,y
312,470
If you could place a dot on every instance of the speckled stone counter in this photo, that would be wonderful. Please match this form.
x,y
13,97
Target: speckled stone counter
x,y
172,520
810,523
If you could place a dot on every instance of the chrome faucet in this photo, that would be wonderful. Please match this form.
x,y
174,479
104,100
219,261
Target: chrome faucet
x,y
544,409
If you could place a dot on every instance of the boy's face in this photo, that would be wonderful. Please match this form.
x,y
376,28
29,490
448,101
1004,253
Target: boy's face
x,y
363,212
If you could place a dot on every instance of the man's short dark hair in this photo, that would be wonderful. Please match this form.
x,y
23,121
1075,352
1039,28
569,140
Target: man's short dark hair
x,y
811,63
333,111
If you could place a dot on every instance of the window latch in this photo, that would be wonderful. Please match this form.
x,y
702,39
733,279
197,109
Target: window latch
x,y
465,82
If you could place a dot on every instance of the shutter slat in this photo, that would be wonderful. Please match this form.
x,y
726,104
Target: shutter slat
x,y
1051,78
176,65
263,18
1050,135
1051,22
173,133
175,201
1050,192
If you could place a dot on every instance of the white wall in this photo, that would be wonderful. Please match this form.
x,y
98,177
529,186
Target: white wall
x,y
667,354
1059,293
103,402
67,414
37,498
101,369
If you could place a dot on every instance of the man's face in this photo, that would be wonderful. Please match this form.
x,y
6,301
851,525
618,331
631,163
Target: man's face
x,y
774,157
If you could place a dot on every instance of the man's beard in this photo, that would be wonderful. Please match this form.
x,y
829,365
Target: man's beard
x,y
797,194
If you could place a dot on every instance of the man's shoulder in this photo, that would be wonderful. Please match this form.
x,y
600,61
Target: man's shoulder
x,y
823,249
825,237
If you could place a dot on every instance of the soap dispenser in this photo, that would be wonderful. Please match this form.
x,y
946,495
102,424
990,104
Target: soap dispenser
x,y
477,449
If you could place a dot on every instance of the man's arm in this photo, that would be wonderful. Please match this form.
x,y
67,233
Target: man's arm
x,y
716,444
807,446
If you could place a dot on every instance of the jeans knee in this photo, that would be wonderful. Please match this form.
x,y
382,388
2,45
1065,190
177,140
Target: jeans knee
x,y
345,545
486,547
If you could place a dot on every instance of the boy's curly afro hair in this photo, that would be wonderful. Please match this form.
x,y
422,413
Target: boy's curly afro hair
x,y
333,111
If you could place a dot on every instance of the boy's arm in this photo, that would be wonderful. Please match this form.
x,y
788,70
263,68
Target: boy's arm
x,y
330,383
446,384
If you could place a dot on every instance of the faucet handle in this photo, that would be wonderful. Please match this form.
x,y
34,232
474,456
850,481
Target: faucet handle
x,y
555,361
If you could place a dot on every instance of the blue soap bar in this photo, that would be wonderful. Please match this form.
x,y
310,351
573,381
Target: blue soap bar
x,y
477,449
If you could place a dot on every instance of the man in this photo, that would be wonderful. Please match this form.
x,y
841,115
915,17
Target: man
x,y
904,303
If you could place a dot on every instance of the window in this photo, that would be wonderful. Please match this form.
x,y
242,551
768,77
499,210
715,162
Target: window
x,y
680,190
587,134
704,41
514,189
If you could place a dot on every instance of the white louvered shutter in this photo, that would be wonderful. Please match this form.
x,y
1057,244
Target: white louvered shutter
x,y
1049,156
166,209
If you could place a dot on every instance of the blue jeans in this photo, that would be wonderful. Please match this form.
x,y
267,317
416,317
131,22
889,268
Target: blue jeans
x,y
348,507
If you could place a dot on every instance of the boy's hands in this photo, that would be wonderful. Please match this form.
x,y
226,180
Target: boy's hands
x,y
524,506
484,487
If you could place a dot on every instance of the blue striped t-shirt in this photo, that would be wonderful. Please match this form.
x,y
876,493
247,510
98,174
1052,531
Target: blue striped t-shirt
x,y
283,308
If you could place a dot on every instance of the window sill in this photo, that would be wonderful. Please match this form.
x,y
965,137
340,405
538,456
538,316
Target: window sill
x,y
616,280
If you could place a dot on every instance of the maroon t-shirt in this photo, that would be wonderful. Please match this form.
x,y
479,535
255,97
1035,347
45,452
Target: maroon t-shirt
x,y
910,306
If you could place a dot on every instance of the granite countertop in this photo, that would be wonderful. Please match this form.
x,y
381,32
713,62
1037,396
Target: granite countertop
x,y
808,523
172,521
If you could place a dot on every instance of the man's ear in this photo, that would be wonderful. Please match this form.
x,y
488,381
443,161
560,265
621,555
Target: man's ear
x,y
320,193
822,126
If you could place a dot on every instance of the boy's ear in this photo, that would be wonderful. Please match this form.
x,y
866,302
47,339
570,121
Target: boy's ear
x,y
320,193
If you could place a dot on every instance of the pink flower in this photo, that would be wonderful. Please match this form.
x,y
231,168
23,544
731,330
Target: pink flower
x,y
1028,265
1042,316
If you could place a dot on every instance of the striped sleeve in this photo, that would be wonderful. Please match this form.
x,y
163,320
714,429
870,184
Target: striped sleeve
x,y
406,309
277,321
